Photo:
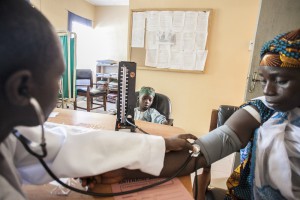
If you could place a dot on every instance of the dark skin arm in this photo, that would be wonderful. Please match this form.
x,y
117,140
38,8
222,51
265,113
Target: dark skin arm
x,y
168,170
241,122
174,143
173,161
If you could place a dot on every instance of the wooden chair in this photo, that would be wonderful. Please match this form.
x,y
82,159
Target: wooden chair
x,y
84,87
218,118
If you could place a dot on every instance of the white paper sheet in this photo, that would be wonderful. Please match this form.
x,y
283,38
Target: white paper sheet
x,y
189,60
202,21
138,20
152,21
190,22
189,39
178,42
138,29
137,38
165,20
151,40
163,56
201,38
176,59
176,39
200,59
151,58
178,21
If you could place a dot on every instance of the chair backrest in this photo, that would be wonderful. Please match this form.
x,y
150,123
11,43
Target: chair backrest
x,y
224,112
218,118
84,77
161,103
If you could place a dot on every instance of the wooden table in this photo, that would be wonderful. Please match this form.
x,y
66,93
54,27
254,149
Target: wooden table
x,y
97,121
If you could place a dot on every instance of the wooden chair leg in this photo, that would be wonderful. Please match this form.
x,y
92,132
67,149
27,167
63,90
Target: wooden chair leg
x,y
88,103
75,104
104,102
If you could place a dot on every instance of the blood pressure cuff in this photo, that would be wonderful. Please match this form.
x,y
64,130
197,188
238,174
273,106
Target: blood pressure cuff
x,y
218,144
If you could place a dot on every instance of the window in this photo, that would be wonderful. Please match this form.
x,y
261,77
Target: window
x,y
86,52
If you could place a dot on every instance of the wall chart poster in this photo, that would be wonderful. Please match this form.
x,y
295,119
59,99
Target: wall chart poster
x,y
173,39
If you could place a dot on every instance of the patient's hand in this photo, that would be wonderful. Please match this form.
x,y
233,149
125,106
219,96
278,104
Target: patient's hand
x,y
90,181
179,142
114,176
111,177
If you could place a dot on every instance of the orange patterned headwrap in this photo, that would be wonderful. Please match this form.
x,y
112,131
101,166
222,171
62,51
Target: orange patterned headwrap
x,y
282,51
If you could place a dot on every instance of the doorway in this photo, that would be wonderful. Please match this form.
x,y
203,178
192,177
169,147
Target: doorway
x,y
275,17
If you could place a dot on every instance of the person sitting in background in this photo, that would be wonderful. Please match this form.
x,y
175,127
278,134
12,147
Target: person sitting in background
x,y
144,112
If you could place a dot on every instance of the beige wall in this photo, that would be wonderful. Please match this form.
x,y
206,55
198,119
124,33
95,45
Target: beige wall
x,y
233,24
110,23
112,31
193,96
57,11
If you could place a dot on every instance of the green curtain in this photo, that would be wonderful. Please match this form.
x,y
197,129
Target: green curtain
x,y
65,77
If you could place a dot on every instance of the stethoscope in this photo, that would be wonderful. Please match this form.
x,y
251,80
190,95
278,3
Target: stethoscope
x,y
27,143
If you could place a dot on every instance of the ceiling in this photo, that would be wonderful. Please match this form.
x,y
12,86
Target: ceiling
x,y
109,2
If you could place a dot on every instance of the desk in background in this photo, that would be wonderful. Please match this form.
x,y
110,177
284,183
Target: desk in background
x,y
97,121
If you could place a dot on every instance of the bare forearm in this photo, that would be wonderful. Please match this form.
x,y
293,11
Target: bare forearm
x,y
173,162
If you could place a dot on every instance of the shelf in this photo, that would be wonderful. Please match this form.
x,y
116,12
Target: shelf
x,y
109,74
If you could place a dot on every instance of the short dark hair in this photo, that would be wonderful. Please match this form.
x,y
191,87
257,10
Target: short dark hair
x,y
27,39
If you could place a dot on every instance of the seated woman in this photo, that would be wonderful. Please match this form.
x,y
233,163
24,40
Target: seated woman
x,y
144,112
271,124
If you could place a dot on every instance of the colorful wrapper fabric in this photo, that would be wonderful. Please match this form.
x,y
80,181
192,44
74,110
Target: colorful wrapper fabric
x,y
282,51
